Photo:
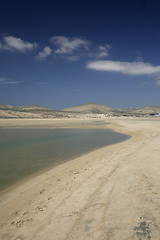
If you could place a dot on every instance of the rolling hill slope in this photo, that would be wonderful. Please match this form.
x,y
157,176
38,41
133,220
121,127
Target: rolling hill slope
x,y
86,109
90,108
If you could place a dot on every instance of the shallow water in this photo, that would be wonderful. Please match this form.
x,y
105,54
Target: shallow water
x,y
27,151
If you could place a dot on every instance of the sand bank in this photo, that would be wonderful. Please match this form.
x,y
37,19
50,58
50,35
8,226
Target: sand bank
x,y
52,123
110,194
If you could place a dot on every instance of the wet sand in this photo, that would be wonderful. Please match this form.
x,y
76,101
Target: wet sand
x,y
109,194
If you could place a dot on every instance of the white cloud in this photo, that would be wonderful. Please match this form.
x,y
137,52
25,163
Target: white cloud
x,y
11,43
103,51
4,81
69,45
44,53
130,68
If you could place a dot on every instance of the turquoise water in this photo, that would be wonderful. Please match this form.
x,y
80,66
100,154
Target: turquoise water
x,y
27,151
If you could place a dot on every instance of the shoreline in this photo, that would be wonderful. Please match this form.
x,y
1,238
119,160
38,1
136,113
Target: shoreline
x,y
52,123
32,124
70,193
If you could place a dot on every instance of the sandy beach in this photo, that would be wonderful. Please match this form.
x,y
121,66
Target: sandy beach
x,y
112,193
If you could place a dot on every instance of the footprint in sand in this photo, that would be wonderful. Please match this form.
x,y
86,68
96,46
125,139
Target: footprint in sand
x,y
72,214
42,191
18,238
41,208
49,198
76,172
20,223
14,213
25,213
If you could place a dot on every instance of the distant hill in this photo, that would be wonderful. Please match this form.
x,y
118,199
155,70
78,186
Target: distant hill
x,y
34,111
90,108
148,110
103,109
24,108
8,107
35,108
87,109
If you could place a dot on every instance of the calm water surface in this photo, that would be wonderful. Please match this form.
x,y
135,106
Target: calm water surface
x,y
27,151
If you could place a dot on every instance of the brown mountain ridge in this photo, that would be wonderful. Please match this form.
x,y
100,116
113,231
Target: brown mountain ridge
x,y
87,109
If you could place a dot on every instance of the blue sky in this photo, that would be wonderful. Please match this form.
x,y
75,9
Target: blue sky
x,y
64,53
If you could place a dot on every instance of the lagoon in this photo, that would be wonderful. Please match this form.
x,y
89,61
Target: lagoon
x,y
24,152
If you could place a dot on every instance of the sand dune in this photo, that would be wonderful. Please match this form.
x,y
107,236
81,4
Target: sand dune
x,y
110,194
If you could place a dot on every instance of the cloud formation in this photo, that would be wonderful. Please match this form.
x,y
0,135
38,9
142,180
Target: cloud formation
x,y
11,43
68,45
44,53
4,81
70,49
130,68
103,51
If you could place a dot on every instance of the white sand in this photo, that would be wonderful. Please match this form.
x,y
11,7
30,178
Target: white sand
x,y
110,194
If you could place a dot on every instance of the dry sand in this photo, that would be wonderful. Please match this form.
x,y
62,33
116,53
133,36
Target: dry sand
x,y
109,194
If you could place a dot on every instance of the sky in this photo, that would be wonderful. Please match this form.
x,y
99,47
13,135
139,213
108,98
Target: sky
x,y
62,53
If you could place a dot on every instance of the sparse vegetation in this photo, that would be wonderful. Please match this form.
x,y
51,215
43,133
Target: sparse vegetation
x,y
89,110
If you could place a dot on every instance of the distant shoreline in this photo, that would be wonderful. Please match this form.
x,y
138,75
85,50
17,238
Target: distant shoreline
x,y
65,123
86,110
